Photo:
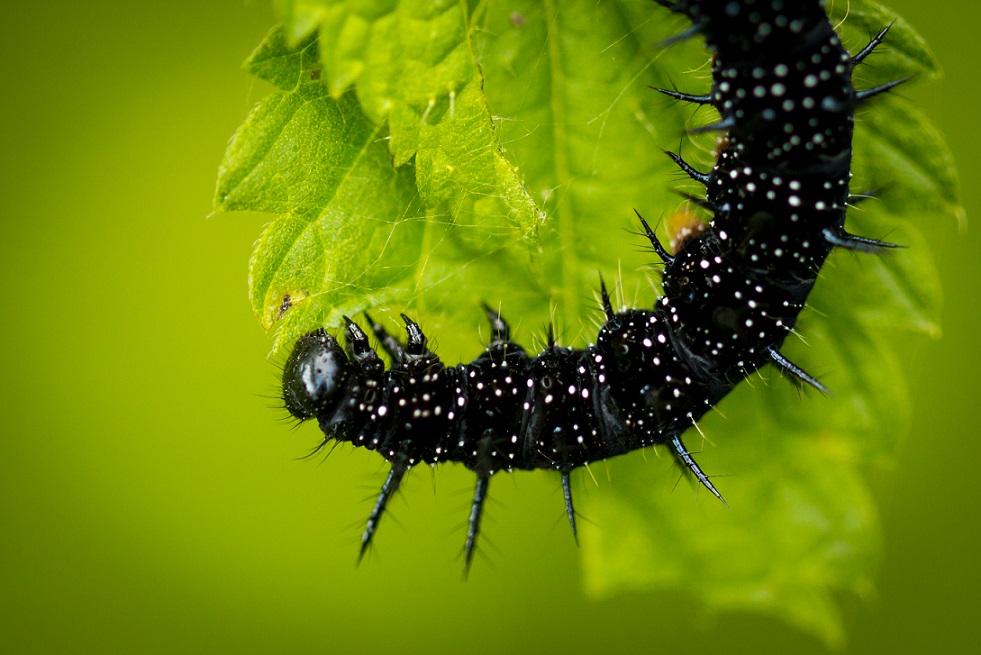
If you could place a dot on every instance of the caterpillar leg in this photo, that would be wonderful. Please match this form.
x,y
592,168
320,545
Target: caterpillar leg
x,y
392,347
390,487
790,368
358,347
569,509
873,44
473,525
415,340
684,457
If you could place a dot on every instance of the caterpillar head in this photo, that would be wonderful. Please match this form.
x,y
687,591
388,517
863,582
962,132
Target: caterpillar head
x,y
314,375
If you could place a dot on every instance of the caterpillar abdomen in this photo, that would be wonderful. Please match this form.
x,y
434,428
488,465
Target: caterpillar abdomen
x,y
732,292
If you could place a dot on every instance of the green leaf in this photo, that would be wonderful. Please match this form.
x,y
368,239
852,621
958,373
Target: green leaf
x,y
405,177
283,65
413,65
324,169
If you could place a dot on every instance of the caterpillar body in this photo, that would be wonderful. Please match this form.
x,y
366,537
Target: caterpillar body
x,y
778,194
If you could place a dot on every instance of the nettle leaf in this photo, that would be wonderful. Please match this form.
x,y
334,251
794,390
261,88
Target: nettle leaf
x,y
408,156
412,64
324,169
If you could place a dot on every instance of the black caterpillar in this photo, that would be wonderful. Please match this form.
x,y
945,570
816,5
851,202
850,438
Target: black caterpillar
x,y
732,292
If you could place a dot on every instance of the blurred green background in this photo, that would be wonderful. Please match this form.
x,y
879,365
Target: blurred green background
x,y
149,501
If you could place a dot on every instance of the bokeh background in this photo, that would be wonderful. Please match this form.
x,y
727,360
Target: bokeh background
x,y
149,502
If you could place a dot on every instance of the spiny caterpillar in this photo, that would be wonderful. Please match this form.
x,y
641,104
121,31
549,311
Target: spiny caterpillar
x,y
778,194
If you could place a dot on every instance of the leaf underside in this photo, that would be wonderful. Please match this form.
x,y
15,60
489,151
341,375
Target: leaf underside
x,y
409,156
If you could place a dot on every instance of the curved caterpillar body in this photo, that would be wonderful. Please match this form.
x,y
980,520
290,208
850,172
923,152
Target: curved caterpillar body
x,y
732,292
